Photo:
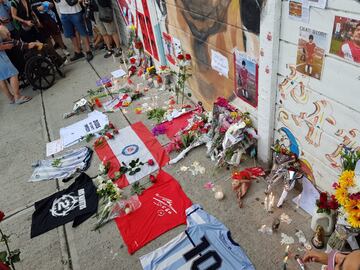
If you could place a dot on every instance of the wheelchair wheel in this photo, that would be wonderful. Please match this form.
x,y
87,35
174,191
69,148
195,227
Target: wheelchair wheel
x,y
40,72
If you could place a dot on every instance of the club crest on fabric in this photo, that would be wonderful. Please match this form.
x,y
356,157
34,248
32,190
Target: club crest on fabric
x,y
130,150
164,204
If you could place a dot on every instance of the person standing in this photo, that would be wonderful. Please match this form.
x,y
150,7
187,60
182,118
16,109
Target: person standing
x,y
72,19
8,71
244,74
104,20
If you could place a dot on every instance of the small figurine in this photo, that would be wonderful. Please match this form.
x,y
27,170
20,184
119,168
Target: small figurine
x,y
318,239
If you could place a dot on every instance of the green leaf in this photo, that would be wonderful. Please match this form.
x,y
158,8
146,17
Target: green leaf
x,y
3,256
15,255
137,170
132,173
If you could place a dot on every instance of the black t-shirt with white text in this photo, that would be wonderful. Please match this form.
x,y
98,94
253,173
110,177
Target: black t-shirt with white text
x,y
78,202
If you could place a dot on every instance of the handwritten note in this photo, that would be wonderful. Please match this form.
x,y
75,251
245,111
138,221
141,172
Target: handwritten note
x,y
220,63
54,147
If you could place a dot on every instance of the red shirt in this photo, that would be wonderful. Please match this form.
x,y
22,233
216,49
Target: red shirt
x,y
162,208
243,74
350,51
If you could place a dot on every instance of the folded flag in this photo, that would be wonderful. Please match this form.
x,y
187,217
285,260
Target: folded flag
x,y
136,148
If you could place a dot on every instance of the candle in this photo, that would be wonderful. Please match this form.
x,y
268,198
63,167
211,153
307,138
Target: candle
x,y
266,203
219,195
271,203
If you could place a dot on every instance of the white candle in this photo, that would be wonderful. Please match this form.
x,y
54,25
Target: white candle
x,y
271,204
266,203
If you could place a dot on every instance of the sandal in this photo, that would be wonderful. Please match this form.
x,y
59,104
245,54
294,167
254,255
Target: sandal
x,y
22,99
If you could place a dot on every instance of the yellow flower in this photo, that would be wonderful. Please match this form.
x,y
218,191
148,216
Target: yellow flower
x,y
352,207
347,179
341,195
234,115
354,221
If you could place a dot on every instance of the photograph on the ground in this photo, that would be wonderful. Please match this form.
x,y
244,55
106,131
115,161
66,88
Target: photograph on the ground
x,y
246,78
310,52
345,40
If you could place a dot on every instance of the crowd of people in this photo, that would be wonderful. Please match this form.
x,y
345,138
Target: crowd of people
x,y
29,24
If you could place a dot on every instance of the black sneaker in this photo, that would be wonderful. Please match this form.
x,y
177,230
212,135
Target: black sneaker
x,y
118,52
89,56
77,56
108,53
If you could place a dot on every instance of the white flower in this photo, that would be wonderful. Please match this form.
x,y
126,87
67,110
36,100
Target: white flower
x,y
101,168
196,163
184,168
98,180
109,182
102,186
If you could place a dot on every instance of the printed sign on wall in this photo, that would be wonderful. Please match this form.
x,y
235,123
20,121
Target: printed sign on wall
x,y
246,78
310,52
345,40
220,63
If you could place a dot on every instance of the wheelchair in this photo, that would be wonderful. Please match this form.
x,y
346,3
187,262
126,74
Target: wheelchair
x,y
38,68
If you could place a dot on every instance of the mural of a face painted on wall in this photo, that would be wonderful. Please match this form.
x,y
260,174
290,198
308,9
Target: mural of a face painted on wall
x,y
220,25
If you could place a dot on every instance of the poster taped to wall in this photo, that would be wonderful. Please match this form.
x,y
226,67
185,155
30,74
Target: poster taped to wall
x,y
169,48
310,52
345,40
220,63
318,3
246,78
299,10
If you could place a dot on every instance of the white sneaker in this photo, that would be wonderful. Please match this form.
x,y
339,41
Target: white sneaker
x,y
66,52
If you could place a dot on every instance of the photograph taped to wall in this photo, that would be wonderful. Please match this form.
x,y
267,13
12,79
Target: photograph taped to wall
x,y
246,78
318,3
310,52
299,10
169,48
345,40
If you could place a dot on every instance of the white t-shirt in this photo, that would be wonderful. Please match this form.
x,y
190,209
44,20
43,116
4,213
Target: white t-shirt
x,y
64,7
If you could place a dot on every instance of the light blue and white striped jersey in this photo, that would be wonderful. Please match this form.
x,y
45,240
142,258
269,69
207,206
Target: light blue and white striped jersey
x,y
205,245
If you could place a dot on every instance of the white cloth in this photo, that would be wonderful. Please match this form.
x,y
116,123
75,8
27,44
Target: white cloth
x,y
64,8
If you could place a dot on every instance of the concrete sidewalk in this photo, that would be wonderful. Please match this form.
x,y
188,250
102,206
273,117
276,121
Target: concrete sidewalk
x,y
27,128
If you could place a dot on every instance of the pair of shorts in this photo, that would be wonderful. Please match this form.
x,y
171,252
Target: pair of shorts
x,y
103,27
72,22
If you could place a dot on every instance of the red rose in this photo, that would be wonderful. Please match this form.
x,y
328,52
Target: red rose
x,y
116,131
323,197
2,215
4,266
187,56
159,79
152,179
151,162
163,67
132,61
111,126
109,135
180,57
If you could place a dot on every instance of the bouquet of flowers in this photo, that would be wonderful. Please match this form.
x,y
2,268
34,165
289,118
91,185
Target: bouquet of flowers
x,y
326,204
231,134
347,189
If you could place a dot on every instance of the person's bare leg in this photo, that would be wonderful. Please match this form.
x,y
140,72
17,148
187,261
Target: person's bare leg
x,y
5,89
116,39
107,40
86,42
75,44
14,82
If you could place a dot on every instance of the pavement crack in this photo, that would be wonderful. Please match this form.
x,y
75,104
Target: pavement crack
x,y
67,246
